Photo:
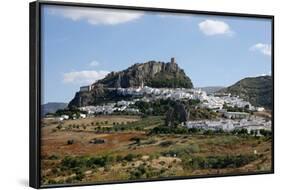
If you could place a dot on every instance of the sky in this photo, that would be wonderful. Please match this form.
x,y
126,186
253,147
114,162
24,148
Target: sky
x,y
81,45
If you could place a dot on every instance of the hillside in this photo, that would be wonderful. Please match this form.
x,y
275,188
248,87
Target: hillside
x,y
211,89
52,107
152,73
256,90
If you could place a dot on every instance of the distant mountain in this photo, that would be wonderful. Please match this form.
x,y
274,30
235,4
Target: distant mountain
x,y
211,89
152,73
256,90
52,107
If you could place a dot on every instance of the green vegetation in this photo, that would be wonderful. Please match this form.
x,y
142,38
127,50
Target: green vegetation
x,y
83,162
240,132
158,107
202,113
168,130
176,155
77,165
70,142
166,143
175,111
165,151
266,133
219,162
170,80
53,157
143,171
181,151
256,90
236,109
71,112
196,131
130,157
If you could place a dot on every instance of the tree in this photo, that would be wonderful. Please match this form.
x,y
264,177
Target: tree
x,y
70,142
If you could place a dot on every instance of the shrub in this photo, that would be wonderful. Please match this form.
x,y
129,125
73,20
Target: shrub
x,y
79,164
137,140
99,161
54,130
70,142
130,157
79,176
59,126
265,133
218,162
166,143
53,157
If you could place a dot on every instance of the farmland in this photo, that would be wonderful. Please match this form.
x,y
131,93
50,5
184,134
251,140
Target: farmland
x,y
124,147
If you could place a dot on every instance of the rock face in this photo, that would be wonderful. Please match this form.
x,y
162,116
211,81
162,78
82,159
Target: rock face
x,y
256,90
98,95
177,114
152,74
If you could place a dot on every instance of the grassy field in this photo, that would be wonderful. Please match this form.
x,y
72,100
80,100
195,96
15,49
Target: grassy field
x,y
129,151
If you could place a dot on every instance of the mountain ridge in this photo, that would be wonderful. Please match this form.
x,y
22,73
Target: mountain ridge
x,y
52,107
256,90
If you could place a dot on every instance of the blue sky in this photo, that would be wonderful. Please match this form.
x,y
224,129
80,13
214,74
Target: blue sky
x,y
81,45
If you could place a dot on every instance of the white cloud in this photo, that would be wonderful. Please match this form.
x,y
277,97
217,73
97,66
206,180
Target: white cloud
x,y
215,27
96,16
83,77
262,48
94,63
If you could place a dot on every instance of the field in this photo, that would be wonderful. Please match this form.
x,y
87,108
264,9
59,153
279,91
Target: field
x,y
122,147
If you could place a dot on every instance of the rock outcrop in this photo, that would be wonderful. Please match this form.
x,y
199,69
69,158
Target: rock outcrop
x,y
152,74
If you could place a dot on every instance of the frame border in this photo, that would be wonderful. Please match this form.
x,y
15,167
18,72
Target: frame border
x,y
35,88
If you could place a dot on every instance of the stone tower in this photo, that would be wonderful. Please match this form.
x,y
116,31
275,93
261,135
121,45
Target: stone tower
x,y
173,60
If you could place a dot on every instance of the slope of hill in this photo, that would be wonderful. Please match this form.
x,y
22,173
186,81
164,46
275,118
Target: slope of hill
x,y
152,73
211,89
256,90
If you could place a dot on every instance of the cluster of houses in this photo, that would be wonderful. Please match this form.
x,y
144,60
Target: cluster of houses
x,y
147,94
74,116
230,121
160,93
109,108
250,123
207,101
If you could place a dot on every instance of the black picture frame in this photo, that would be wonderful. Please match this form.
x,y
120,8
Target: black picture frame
x,y
35,85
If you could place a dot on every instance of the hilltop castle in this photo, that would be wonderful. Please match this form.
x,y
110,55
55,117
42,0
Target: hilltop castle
x,y
140,74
